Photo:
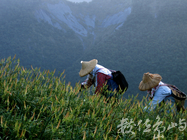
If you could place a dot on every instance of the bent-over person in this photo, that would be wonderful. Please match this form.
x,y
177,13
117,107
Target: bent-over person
x,y
97,75
157,90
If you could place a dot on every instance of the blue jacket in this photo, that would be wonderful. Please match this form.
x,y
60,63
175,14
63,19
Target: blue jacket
x,y
163,93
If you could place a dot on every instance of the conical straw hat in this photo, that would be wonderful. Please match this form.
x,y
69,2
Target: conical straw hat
x,y
87,67
149,81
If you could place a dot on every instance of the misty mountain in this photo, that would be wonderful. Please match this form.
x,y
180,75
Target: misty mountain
x,y
132,36
85,22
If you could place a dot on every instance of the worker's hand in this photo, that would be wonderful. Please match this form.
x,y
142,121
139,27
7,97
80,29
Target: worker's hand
x,y
82,87
150,98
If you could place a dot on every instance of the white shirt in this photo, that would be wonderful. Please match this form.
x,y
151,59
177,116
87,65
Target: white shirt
x,y
98,68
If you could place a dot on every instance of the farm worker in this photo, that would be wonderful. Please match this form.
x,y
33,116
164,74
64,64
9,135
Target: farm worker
x,y
98,76
157,90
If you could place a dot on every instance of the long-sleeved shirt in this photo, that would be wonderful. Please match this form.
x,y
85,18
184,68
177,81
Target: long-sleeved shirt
x,y
162,93
98,77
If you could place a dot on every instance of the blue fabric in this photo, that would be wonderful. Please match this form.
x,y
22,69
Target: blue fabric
x,y
163,93
112,85
170,99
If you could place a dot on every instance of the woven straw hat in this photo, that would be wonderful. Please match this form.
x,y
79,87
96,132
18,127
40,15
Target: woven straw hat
x,y
149,81
87,67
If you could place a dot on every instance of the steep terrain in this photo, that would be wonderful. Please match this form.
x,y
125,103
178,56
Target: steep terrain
x,y
87,23
152,39
131,36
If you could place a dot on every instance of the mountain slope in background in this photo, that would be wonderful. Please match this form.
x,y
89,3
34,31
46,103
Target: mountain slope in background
x,y
83,22
132,36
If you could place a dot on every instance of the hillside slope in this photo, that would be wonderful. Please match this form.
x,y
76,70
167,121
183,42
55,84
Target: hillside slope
x,y
132,36
146,43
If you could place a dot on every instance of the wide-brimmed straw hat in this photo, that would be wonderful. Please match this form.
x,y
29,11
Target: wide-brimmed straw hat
x,y
149,81
87,67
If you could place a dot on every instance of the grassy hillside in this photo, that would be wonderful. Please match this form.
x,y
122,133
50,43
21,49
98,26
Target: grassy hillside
x,y
39,105
152,39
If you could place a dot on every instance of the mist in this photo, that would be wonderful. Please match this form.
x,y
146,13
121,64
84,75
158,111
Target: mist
x,y
79,1
134,37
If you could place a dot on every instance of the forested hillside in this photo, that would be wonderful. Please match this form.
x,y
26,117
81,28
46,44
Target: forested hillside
x,y
147,42
151,38
35,43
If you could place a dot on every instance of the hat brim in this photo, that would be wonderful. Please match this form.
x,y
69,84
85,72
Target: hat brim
x,y
152,80
147,86
87,67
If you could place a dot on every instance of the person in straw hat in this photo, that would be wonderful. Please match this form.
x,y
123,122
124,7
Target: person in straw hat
x,y
157,90
97,75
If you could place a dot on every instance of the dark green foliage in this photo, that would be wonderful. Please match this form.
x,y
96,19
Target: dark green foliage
x,y
39,105
35,43
147,44
152,39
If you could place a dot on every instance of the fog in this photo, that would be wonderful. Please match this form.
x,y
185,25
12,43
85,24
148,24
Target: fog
x,y
134,37
78,1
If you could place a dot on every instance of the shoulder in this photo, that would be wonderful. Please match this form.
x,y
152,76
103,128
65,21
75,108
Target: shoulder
x,y
101,74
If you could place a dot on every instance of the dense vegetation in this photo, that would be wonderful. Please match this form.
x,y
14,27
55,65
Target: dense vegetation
x,y
39,105
145,43
35,43
153,39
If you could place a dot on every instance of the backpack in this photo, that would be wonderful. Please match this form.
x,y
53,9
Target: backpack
x,y
119,78
178,95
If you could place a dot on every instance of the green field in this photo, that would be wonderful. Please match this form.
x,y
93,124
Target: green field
x,y
39,105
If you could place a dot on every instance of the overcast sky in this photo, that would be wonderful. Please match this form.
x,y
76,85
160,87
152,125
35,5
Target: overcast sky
x,y
80,0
